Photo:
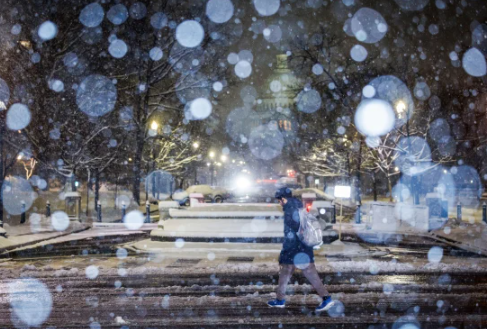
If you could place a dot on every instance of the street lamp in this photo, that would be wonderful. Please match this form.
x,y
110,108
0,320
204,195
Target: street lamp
x,y
196,145
223,158
212,154
154,127
400,107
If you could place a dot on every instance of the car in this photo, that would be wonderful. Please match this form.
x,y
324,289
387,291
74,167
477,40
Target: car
x,y
211,194
254,194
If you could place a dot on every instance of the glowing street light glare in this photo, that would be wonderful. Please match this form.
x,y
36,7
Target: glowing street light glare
x,y
243,182
400,106
154,125
223,158
396,169
212,154
196,145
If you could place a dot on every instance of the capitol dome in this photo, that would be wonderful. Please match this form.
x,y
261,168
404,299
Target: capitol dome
x,y
278,100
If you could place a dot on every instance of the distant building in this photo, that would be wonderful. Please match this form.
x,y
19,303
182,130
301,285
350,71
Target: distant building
x,y
278,99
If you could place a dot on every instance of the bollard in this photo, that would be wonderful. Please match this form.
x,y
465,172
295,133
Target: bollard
x,y
459,212
123,210
98,211
22,214
48,209
358,214
147,212
334,218
484,212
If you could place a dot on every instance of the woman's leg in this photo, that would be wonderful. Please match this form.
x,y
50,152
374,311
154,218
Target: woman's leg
x,y
312,275
285,274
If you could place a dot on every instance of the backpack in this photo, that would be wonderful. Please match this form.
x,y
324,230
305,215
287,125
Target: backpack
x,y
310,231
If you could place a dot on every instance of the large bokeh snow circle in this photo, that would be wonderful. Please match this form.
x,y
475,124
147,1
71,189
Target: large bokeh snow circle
x,y
243,69
4,94
118,14
133,220
368,25
359,53
200,108
92,15
412,5
337,310
248,94
60,220
479,38
474,63
468,184
441,180
219,11
158,20
70,60
273,33
159,184
190,33
374,117
301,260
118,48
47,31
266,142
309,101
439,129
435,254
96,95
393,90
15,191
413,156
240,123
422,90
18,116
267,7
30,301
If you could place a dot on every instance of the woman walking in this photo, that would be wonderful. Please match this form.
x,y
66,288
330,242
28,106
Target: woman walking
x,y
294,254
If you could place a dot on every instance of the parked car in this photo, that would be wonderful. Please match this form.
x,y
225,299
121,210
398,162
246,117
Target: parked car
x,y
254,194
212,194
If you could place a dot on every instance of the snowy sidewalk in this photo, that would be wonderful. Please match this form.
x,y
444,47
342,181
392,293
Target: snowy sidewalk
x,y
471,237
467,236
183,249
26,234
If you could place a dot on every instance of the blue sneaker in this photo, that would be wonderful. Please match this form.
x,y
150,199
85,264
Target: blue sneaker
x,y
277,303
325,305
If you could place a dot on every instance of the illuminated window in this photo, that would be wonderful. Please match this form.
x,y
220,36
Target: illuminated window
x,y
285,125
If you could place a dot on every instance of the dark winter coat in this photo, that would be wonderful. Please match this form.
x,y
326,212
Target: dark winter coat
x,y
293,250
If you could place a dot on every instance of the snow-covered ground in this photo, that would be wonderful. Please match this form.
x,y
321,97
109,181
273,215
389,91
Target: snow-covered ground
x,y
18,236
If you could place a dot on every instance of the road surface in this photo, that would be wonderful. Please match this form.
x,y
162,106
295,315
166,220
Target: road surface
x,y
136,291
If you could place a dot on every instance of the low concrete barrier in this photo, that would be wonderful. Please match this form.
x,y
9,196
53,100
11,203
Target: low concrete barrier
x,y
165,206
226,223
389,216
